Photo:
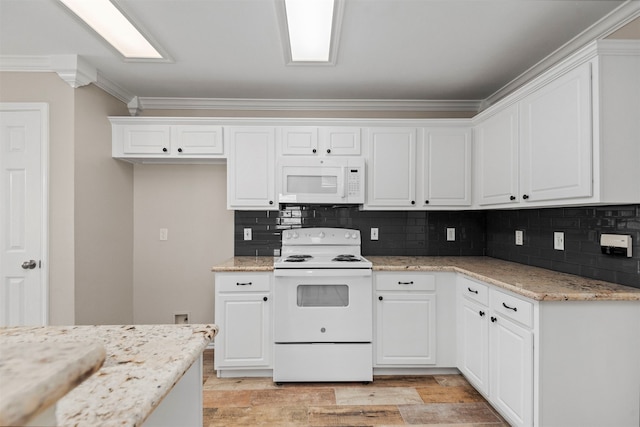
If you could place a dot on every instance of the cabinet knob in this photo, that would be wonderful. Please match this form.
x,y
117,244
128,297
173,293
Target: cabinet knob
x,y
426,202
270,202
481,313
380,298
494,319
179,150
328,150
525,196
512,197
265,298
413,202
164,149
314,151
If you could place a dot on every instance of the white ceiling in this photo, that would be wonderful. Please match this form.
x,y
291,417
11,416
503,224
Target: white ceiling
x,y
388,50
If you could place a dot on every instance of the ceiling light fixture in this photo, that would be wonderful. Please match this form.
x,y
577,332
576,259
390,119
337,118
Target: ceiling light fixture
x,y
309,23
110,23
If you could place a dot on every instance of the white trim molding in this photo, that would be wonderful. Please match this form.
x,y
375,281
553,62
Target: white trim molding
x,y
145,103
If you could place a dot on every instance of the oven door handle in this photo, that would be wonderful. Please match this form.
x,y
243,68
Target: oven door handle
x,y
322,272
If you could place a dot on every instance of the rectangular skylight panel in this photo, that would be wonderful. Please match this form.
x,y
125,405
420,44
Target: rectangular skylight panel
x,y
309,23
114,27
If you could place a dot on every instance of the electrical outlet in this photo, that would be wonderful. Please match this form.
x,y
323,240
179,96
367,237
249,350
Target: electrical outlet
x,y
558,241
374,234
180,318
451,234
247,234
519,237
164,234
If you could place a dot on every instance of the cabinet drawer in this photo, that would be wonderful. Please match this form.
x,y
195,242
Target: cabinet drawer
x,y
405,282
512,307
243,282
474,290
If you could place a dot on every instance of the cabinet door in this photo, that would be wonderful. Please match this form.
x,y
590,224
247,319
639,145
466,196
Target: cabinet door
x,y
445,167
405,328
146,139
299,140
556,145
198,140
391,170
473,344
496,158
244,339
251,168
340,141
511,384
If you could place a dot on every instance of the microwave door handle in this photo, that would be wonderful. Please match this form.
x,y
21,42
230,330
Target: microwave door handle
x,y
343,183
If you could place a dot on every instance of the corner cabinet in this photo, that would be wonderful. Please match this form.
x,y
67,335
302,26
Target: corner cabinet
x,y
405,319
251,170
244,343
545,363
167,140
564,138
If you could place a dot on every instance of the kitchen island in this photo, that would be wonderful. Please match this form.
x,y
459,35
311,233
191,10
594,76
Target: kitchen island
x,y
152,374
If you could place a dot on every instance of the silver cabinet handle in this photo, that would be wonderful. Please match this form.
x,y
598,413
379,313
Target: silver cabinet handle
x,y
29,265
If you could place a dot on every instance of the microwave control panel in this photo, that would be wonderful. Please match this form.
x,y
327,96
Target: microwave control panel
x,y
354,181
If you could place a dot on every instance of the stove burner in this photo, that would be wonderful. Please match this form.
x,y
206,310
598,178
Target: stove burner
x,y
297,258
347,258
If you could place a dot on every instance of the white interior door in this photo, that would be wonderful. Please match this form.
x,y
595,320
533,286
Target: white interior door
x,y
23,214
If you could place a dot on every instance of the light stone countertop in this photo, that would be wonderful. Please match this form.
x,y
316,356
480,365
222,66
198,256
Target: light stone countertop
x,y
532,282
35,376
143,363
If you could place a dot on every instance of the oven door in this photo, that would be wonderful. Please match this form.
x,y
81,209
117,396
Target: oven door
x,y
323,306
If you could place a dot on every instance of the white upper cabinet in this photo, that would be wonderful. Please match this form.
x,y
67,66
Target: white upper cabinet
x,y
251,168
320,141
496,158
568,137
391,167
166,140
444,167
556,143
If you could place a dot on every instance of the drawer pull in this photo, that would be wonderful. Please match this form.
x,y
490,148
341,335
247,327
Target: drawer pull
x,y
243,284
472,290
509,308
406,283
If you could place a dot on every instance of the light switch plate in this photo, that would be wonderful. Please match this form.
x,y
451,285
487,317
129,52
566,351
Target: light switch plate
x,y
519,237
558,240
451,234
164,234
247,234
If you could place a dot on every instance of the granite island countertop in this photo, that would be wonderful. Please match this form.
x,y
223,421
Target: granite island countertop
x,y
143,363
36,375
532,282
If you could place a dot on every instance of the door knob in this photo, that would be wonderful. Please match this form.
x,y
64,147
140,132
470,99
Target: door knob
x,y
29,265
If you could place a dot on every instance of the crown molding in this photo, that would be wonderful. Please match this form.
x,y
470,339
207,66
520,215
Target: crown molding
x,y
616,19
307,104
73,69
113,89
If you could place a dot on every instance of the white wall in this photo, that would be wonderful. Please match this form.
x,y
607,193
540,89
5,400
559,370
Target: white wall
x,y
175,275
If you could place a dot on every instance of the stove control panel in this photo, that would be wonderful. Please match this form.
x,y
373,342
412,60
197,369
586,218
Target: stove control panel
x,y
321,236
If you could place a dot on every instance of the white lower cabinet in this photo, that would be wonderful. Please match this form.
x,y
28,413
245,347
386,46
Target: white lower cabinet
x,y
550,363
405,319
495,350
243,314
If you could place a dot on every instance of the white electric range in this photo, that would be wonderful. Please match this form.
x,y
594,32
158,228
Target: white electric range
x,y
323,320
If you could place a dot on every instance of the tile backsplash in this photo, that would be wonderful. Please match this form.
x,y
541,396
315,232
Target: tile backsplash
x,y
489,233
582,227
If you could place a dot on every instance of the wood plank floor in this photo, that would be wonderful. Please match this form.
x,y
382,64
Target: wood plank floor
x,y
438,400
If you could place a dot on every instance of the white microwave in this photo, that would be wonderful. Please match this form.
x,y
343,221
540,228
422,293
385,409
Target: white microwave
x,y
333,180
